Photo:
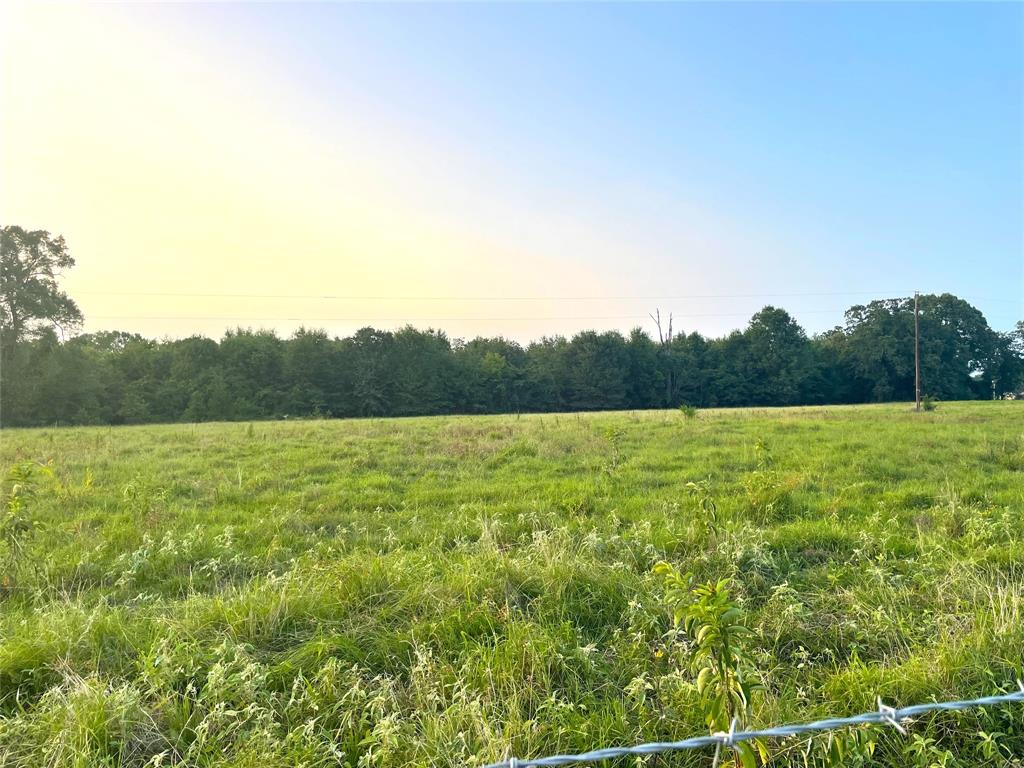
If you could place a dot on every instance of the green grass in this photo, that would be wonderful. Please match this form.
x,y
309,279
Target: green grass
x,y
425,592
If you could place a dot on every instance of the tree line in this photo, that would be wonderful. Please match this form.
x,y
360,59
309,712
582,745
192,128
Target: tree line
x,y
114,377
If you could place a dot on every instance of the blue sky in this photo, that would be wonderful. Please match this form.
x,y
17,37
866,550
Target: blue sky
x,y
618,151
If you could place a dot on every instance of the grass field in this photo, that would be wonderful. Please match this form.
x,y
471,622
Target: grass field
x,y
425,592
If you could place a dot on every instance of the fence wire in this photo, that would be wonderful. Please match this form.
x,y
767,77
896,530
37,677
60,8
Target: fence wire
x,y
884,715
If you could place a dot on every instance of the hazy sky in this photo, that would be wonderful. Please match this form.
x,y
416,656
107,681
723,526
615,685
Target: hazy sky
x,y
229,165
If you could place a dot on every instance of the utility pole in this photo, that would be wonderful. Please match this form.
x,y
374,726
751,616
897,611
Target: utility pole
x,y
917,357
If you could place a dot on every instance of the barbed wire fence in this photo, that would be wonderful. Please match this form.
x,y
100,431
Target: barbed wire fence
x,y
884,715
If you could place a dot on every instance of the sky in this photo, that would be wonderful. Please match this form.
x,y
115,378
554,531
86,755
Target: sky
x,y
517,170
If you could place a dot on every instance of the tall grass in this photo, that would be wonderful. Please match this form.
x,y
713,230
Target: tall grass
x,y
446,591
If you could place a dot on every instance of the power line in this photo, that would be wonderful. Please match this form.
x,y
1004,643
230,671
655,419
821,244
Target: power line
x,y
663,297
477,319
353,297
363,319
429,319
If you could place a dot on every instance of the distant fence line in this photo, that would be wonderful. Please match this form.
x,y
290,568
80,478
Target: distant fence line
x,y
884,715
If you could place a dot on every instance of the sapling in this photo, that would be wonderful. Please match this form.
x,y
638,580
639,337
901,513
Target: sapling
x,y
718,655
701,491
15,524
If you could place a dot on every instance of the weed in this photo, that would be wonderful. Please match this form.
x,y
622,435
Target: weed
x,y
615,437
706,505
718,654
320,595
16,523
767,495
577,505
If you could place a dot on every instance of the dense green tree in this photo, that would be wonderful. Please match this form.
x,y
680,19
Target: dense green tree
x,y
834,381
597,367
421,364
31,303
211,399
68,383
310,360
490,375
685,365
1008,365
368,354
546,373
727,366
253,364
31,262
114,377
181,372
645,377
779,362
878,346
959,352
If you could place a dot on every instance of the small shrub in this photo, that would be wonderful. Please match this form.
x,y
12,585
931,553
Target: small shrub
x,y
842,749
16,524
929,403
706,506
718,652
763,454
688,411
615,437
766,493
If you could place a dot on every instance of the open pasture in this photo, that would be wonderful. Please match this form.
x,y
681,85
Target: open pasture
x,y
427,591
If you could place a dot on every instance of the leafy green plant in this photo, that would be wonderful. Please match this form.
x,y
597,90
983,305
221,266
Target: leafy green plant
x,y
15,524
929,403
70,492
719,656
688,411
853,748
763,455
615,437
927,753
701,491
766,493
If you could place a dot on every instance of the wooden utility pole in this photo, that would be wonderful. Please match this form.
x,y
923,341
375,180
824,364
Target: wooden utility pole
x,y
917,357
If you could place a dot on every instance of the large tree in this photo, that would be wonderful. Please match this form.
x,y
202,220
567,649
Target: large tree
x,y
959,352
31,262
779,359
1008,368
32,306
